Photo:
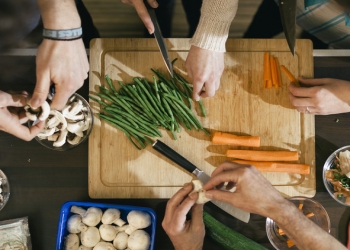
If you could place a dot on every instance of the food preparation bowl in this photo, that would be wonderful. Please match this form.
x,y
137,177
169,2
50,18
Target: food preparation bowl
x,y
65,213
329,164
67,146
319,217
5,190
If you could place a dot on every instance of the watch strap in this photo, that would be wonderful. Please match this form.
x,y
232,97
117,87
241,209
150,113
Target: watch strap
x,y
63,34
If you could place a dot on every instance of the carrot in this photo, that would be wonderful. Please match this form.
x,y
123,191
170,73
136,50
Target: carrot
x,y
255,155
290,243
267,70
281,232
269,166
278,69
290,75
273,72
310,215
230,139
301,206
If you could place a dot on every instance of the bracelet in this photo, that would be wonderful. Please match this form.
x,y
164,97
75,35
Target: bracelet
x,y
58,39
63,34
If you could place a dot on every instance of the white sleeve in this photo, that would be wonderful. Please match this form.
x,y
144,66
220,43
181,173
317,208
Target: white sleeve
x,y
214,24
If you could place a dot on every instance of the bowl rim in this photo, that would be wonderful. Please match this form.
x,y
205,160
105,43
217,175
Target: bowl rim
x,y
8,187
87,104
326,165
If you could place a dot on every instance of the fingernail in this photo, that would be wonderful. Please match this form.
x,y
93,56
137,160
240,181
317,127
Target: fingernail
x,y
209,195
187,186
155,4
192,195
34,103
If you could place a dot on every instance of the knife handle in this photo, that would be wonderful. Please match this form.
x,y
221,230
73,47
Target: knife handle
x,y
174,156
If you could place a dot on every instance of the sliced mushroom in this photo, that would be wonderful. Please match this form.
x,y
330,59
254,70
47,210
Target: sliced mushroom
x,y
61,139
40,113
45,111
75,140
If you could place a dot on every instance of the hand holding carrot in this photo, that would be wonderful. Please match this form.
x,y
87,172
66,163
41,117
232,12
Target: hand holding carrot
x,y
253,192
323,96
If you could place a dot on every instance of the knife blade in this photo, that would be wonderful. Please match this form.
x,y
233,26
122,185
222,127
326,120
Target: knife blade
x,y
160,40
201,175
288,10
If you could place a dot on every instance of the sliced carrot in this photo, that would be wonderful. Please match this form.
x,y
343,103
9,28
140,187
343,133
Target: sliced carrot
x,y
310,215
301,206
281,232
255,155
239,140
290,243
267,70
269,166
273,72
290,75
278,70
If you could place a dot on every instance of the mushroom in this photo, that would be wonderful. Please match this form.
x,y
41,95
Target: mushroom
x,y
139,240
56,119
121,240
75,225
90,237
82,247
107,232
90,217
137,220
112,215
61,138
71,242
104,246
76,139
198,188
40,113
73,111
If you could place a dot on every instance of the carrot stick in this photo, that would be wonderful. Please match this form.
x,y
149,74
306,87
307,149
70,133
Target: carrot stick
x,y
269,166
230,139
310,215
273,72
254,155
290,75
278,69
267,71
301,206
290,243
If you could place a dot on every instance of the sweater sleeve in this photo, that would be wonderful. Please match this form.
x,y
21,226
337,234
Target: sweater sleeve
x,y
214,24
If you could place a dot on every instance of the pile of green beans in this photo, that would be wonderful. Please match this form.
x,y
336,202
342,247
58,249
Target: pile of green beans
x,y
139,109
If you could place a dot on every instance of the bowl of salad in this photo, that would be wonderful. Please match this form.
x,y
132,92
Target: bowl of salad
x,y
336,175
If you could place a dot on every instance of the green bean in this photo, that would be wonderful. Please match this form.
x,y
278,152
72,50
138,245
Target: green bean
x,y
111,86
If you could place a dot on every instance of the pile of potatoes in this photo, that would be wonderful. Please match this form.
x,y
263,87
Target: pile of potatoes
x,y
94,229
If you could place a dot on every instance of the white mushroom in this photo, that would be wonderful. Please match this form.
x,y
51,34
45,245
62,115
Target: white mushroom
x,y
56,119
71,242
90,237
45,111
90,217
104,246
82,247
75,225
53,137
139,240
75,140
198,188
121,240
112,215
107,232
46,132
40,113
61,138
75,126
137,220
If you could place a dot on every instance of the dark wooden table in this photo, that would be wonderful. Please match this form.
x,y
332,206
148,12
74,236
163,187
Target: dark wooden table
x,y
42,179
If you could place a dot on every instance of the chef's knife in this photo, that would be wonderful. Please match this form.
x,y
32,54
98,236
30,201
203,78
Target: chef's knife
x,y
160,40
288,10
187,165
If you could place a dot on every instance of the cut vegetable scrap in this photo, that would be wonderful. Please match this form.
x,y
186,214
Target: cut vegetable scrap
x,y
301,206
255,155
281,232
269,166
290,243
310,215
290,75
231,139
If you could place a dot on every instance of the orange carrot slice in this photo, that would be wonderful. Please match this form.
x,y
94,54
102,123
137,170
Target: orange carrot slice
x,y
290,75
255,155
230,139
267,70
273,72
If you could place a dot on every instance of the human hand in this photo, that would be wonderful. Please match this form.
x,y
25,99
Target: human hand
x,y
184,234
253,192
204,68
12,116
142,11
63,63
323,96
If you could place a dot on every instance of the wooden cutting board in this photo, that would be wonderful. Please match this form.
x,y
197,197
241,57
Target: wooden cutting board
x,y
241,106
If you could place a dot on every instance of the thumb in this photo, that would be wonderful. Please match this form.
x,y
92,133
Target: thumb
x,y
41,91
313,81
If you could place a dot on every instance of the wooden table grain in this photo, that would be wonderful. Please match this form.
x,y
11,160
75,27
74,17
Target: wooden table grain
x,y
42,180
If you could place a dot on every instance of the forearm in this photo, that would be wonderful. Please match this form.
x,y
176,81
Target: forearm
x,y
302,231
59,14
214,24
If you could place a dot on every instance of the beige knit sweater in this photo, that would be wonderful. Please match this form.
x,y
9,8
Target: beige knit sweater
x,y
214,24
